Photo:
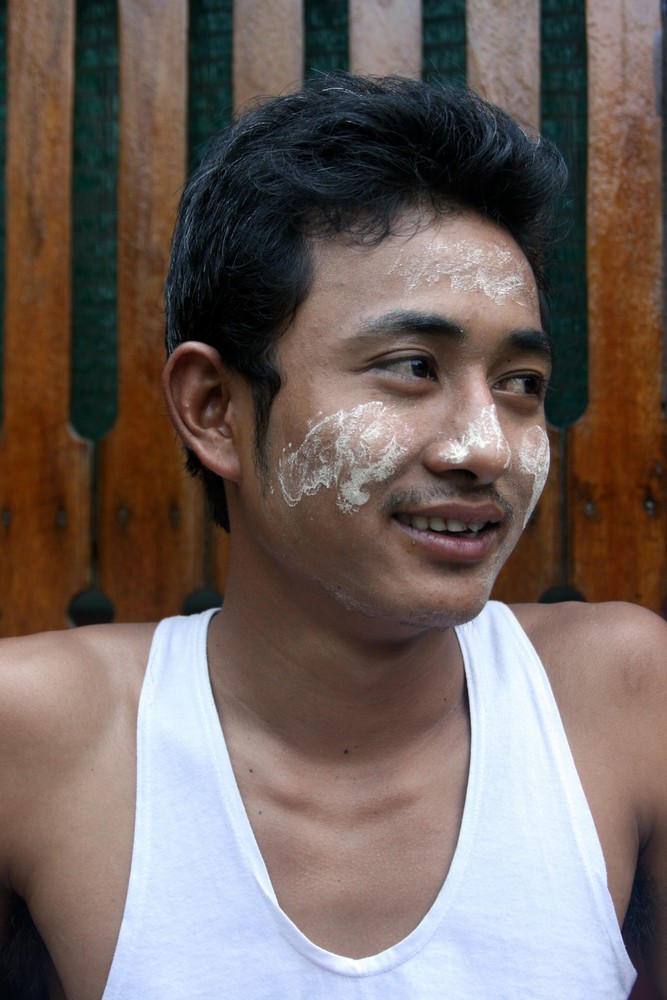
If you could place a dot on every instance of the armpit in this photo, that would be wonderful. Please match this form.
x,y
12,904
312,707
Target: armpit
x,y
23,958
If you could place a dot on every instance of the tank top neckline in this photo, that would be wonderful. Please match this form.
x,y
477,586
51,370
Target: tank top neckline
x,y
412,943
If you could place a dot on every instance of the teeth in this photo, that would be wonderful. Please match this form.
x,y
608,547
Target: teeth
x,y
453,525
439,523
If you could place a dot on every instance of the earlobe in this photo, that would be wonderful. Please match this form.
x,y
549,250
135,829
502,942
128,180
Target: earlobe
x,y
200,393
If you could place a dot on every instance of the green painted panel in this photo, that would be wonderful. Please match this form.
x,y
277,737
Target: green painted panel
x,y
210,71
564,119
444,40
326,35
95,219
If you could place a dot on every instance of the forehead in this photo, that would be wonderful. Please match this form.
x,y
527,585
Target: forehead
x,y
459,264
486,262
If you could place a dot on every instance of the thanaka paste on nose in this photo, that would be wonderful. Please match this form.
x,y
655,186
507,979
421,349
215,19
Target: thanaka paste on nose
x,y
348,449
482,433
493,270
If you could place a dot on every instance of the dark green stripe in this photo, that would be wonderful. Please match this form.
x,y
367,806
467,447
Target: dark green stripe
x,y
95,219
444,41
210,71
564,119
326,35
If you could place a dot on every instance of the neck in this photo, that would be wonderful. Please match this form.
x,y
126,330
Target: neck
x,y
331,684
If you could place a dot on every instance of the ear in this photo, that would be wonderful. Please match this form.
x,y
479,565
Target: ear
x,y
203,397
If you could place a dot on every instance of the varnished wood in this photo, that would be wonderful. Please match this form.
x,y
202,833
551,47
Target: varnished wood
x,y
385,37
503,54
44,469
268,47
150,529
617,477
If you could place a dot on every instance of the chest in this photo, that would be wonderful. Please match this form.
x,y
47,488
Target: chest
x,y
357,854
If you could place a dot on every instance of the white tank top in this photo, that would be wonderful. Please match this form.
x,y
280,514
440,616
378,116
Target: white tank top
x,y
523,913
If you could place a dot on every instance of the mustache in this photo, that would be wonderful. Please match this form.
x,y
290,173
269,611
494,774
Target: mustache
x,y
399,499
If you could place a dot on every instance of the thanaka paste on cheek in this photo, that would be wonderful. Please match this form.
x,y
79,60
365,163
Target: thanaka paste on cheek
x,y
533,459
348,449
481,433
492,270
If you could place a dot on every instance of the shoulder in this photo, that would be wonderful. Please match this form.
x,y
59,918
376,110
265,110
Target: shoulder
x,y
58,685
61,695
622,648
607,665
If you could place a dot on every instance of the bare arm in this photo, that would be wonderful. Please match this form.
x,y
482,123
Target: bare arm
x,y
648,658
608,667
67,723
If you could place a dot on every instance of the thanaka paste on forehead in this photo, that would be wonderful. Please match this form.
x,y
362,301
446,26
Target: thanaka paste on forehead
x,y
348,449
533,458
489,268
482,432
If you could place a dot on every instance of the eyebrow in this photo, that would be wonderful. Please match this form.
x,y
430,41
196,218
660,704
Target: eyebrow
x,y
409,321
397,321
532,342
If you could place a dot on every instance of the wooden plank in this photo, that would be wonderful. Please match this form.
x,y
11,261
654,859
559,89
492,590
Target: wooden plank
x,y
502,71
385,37
150,530
44,469
509,76
268,47
617,474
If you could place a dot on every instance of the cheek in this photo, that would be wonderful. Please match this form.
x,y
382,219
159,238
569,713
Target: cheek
x,y
532,459
346,451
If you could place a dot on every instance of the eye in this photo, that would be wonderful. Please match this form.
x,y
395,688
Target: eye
x,y
524,384
411,366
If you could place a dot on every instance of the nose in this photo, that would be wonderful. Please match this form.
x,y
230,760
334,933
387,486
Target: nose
x,y
478,447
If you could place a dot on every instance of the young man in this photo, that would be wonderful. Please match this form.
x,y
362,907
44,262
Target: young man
x,y
359,778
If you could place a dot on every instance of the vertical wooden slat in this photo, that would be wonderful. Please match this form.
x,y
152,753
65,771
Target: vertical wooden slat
x,y
385,37
150,528
503,43
509,75
44,470
617,475
268,47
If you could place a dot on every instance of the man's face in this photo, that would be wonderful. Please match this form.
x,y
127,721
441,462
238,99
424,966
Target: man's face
x,y
406,447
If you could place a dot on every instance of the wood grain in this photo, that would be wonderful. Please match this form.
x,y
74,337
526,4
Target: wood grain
x,y
44,469
385,37
151,524
617,478
268,52
503,54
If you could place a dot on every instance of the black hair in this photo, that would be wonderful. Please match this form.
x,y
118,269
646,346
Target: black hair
x,y
345,156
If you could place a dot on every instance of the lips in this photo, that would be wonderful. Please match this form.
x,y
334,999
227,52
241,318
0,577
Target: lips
x,y
454,532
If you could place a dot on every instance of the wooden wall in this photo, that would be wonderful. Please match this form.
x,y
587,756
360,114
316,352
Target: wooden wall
x,y
117,515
